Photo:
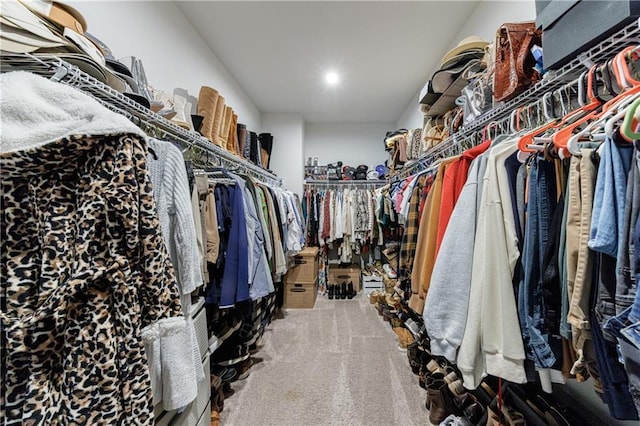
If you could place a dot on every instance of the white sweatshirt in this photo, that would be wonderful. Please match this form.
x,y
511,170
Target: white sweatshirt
x,y
492,342
451,278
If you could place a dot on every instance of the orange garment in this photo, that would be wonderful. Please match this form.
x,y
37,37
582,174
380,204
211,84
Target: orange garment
x,y
427,234
454,180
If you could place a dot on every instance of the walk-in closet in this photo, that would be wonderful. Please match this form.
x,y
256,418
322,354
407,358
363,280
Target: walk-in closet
x,y
361,213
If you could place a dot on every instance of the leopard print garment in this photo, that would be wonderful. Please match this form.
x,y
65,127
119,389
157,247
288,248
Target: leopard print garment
x,y
83,270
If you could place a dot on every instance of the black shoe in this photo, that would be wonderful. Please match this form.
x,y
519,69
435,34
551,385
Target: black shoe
x,y
343,290
331,291
229,354
350,290
225,327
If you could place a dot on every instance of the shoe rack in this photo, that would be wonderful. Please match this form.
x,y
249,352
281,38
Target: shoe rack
x,y
153,124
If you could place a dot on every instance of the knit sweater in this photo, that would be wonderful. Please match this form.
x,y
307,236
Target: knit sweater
x,y
176,367
171,192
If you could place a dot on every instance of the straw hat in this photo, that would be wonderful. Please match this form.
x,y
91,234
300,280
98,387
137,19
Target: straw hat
x,y
59,13
468,43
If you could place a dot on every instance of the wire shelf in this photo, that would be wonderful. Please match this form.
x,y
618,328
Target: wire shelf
x,y
323,182
553,80
58,70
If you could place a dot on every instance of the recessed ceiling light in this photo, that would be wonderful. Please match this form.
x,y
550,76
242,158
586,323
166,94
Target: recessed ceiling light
x,y
332,78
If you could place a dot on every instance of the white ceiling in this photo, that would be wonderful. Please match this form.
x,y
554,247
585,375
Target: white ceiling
x,y
279,52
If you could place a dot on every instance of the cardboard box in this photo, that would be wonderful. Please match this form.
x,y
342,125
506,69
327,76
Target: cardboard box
x,y
372,282
571,27
300,295
338,275
306,266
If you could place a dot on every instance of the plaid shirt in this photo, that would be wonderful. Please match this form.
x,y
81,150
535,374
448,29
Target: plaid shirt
x,y
410,237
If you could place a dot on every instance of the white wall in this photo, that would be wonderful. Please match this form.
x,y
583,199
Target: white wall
x,y
483,22
288,147
351,143
173,53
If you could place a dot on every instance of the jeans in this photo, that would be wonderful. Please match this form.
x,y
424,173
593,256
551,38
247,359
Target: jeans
x,y
626,283
533,312
609,198
631,356
635,308
614,378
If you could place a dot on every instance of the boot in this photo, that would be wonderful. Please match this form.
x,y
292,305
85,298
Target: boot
x,y
246,152
254,153
183,112
331,291
207,105
241,136
224,127
266,145
232,138
217,121
440,402
343,290
350,291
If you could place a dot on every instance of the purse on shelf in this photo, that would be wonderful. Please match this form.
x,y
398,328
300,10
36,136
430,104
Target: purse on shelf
x,y
431,133
514,62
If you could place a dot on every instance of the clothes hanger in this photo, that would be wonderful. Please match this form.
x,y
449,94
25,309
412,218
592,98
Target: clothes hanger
x,y
587,112
618,103
606,121
606,118
533,141
630,122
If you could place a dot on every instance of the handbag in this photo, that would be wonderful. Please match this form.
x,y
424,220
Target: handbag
x,y
431,134
514,63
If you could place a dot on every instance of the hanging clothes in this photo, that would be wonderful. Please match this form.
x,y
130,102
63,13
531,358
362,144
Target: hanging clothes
x,y
86,273
176,367
346,219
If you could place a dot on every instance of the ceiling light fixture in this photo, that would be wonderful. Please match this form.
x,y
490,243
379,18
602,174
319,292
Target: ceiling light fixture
x,y
332,78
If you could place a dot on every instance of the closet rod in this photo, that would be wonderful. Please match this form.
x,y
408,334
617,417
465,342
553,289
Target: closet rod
x,y
312,182
56,69
552,81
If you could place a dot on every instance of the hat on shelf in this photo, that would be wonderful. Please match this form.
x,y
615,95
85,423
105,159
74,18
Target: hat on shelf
x,y
59,13
373,174
444,78
23,31
470,43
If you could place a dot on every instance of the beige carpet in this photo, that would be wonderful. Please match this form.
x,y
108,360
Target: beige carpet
x,y
336,364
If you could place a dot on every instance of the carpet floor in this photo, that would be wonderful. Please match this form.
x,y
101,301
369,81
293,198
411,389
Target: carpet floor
x,y
335,364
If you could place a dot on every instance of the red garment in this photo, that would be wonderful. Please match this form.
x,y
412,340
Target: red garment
x,y
454,180
326,224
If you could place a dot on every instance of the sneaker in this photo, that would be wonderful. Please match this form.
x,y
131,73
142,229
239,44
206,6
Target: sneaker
x,y
389,271
243,369
413,327
224,373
